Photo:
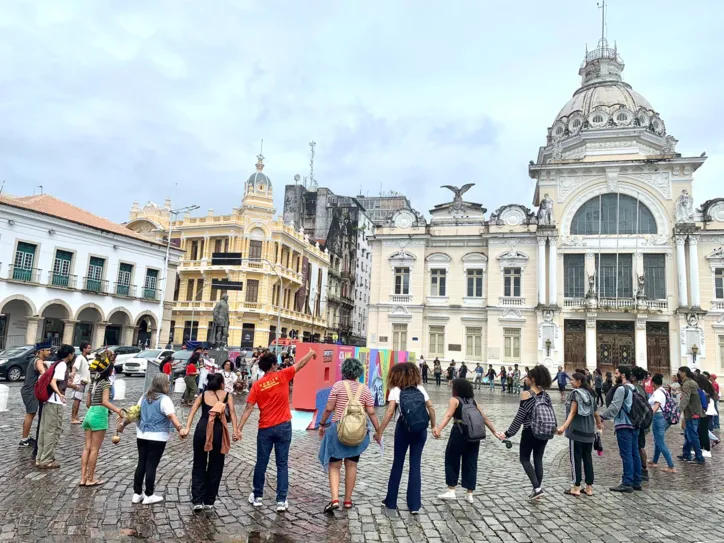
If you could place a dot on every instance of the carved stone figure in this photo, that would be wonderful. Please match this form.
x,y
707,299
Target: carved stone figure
x,y
641,292
221,322
684,208
591,286
545,211
692,319
458,203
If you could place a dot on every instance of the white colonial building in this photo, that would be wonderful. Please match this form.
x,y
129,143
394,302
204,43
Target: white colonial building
x,y
68,275
616,267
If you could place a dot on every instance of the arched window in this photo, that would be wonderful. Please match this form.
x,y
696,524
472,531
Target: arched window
x,y
613,214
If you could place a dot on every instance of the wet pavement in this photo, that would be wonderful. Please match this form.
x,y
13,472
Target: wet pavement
x,y
50,507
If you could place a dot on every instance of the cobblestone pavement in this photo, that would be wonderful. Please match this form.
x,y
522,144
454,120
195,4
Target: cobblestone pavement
x,y
49,506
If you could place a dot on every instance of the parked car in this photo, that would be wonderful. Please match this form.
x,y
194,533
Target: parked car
x,y
14,361
180,359
138,364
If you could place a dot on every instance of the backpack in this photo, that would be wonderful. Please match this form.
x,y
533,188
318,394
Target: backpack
x,y
641,414
413,410
670,410
704,400
543,420
42,385
352,427
471,421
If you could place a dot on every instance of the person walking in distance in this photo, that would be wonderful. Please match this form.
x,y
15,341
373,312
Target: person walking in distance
x,y
626,435
503,376
450,373
478,378
437,371
408,395
462,447
80,377
580,429
36,368
491,377
211,441
51,423
660,401
534,404
561,379
516,379
153,430
332,451
192,373
425,370
271,394
706,394
598,386
715,385
692,411
95,424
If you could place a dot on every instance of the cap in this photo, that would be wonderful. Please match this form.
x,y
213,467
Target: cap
x,y
712,376
100,364
42,345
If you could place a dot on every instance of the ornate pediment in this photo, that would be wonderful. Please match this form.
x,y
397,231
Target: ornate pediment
x,y
716,258
512,259
511,215
713,210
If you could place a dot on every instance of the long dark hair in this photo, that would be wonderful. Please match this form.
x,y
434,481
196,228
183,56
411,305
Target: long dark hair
x,y
462,388
578,376
706,386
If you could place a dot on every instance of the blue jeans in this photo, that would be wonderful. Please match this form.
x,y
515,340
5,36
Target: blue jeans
x,y
628,448
491,382
415,442
659,428
691,440
715,421
280,438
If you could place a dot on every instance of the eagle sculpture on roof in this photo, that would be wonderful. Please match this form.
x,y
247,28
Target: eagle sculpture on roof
x,y
457,202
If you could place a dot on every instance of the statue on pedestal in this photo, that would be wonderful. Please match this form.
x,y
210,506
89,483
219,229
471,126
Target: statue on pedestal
x,y
684,208
545,211
221,322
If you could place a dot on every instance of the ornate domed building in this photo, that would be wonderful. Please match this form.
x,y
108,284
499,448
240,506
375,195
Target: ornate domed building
x,y
615,267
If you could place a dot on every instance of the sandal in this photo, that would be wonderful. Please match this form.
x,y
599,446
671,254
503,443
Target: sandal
x,y
82,483
95,483
52,465
348,505
331,507
569,492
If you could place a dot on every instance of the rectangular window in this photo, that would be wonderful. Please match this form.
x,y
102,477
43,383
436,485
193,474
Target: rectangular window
x,y
436,345
255,249
61,269
574,276
614,275
437,283
402,280
252,290
190,290
475,283
399,337
719,284
124,279
511,282
511,340
191,330
24,260
199,290
150,284
474,343
94,281
721,353
194,250
655,277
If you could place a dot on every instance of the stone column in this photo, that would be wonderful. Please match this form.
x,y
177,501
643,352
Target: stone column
x,y
591,346
640,339
552,272
127,335
68,329
681,271
31,332
99,334
542,271
694,270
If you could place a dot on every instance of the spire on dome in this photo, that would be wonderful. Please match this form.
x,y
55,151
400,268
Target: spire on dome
x,y
603,63
260,158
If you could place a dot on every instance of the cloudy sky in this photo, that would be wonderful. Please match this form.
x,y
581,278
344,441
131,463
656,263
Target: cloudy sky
x,y
107,102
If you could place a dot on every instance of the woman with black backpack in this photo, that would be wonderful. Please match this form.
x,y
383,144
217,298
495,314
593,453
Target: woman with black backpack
x,y
539,379
463,444
416,413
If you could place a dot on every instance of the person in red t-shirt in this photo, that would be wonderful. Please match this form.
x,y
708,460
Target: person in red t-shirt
x,y
190,379
271,394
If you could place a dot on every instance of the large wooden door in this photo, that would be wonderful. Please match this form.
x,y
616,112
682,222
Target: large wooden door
x,y
574,344
615,344
657,348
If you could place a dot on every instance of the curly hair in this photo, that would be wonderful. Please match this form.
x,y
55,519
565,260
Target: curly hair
x,y
352,369
403,376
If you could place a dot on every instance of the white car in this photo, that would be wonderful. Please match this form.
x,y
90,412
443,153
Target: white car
x,y
137,365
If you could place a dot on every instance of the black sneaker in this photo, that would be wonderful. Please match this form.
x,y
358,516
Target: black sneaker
x,y
622,488
684,458
637,487
537,494
698,462
644,477
25,442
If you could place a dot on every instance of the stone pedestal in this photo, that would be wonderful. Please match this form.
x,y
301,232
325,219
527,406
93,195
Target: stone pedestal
x,y
219,357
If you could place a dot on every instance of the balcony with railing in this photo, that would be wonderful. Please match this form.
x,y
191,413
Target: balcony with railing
x,y
574,302
151,294
400,298
62,280
120,289
623,304
251,306
24,275
511,301
717,305
99,286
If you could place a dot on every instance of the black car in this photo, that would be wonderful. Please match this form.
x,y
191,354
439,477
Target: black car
x,y
14,361
180,359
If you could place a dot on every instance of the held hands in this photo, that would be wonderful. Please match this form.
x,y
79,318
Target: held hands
x,y
560,430
501,436
237,435
599,426
436,432
378,438
322,431
183,432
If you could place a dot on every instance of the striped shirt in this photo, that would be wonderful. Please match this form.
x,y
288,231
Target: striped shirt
x,y
339,394
96,391
523,417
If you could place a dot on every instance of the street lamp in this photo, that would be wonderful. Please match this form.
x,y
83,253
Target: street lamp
x,y
694,351
548,346
172,214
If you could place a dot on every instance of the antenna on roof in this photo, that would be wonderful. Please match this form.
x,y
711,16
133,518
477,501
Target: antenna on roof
x,y
312,180
38,187
602,6
2,187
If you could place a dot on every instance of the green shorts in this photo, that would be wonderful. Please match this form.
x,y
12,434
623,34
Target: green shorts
x,y
96,418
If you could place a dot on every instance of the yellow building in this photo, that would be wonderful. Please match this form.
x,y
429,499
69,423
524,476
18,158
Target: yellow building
x,y
247,246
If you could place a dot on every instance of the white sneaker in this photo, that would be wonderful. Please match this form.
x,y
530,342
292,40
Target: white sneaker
x,y
198,507
138,498
282,506
706,454
256,502
149,500
469,497
448,495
